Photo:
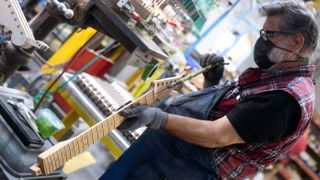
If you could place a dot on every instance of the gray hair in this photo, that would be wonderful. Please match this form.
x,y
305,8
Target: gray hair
x,y
295,18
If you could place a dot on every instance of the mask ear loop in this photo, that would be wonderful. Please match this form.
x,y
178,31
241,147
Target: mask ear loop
x,y
302,59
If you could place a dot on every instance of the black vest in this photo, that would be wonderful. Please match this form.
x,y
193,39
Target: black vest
x,y
198,104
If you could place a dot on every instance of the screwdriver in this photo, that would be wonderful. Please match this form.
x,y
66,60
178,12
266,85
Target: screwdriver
x,y
192,75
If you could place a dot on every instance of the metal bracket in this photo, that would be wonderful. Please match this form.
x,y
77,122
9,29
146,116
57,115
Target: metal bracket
x,y
139,59
12,17
122,3
110,23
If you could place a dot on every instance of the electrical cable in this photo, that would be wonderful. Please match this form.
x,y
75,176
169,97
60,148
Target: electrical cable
x,y
48,92
68,64
41,96
54,82
80,71
84,67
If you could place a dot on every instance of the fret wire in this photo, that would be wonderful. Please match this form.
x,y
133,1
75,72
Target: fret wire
x,y
61,161
95,134
80,143
85,141
114,121
105,127
46,165
55,164
50,164
65,154
88,133
57,159
102,127
100,131
110,124
71,150
76,146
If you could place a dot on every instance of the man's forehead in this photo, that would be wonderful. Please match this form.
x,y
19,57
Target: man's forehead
x,y
272,23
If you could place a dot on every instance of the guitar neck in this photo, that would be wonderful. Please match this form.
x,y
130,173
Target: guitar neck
x,y
59,154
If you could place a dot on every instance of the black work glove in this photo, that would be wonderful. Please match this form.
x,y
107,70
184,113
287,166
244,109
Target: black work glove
x,y
213,75
143,115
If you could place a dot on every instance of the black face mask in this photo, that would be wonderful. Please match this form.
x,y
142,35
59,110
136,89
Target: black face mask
x,y
261,50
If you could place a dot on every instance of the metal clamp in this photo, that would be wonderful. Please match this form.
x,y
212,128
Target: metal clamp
x,y
25,112
12,17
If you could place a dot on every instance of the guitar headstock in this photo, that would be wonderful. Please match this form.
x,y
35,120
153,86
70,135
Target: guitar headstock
x,y
160,87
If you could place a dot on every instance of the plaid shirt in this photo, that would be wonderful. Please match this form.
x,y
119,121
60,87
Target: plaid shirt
x,y
240,161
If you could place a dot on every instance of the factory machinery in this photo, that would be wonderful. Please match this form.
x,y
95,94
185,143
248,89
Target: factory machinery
x,y
97,101
55,157
108,97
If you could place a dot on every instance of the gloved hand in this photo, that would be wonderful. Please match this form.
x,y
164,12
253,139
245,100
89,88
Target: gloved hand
x,y
143,115
213,75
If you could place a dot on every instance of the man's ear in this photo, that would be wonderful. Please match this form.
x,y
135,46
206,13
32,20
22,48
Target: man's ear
x,y
297,42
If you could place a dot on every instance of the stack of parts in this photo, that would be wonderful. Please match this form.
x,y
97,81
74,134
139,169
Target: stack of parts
x,y
108,97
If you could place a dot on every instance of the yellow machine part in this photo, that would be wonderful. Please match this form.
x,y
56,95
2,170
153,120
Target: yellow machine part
x,y
83,160
77,40
131,81
144,85
117,53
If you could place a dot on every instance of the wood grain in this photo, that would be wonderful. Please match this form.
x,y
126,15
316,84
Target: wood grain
x,y
56,156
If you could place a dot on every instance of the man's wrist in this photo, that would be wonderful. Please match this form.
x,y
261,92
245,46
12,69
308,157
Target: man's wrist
x,y
164,121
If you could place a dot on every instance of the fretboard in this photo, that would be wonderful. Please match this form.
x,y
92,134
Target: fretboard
x,y
59,154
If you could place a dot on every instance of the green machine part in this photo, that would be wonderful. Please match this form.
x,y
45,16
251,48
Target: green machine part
x,y
150,69
48,123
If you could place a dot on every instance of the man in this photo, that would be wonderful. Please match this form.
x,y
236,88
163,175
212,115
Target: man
x,y
235,130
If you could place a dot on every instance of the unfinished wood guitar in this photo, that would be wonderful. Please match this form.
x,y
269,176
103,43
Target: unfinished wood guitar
x,y
58,155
